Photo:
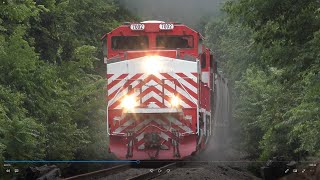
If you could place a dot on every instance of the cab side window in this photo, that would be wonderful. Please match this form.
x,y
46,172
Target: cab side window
x,y
203,61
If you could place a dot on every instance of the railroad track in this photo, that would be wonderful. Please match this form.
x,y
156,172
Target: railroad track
x,y
102,174
157,172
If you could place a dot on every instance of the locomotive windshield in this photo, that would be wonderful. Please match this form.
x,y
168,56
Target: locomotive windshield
x,y
130,42
174,42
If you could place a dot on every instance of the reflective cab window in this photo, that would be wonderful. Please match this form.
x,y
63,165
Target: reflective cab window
x,y
174,42
129,42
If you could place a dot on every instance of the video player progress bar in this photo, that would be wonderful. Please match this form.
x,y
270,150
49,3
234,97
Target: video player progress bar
x,y
72,161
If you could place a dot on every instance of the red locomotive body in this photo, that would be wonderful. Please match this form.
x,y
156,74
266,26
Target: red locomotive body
x,y
159,85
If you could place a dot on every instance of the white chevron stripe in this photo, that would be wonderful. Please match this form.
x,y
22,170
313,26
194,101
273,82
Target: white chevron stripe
x,y
189,95
164,136
152,83
150,95
142,146
147,121
186,83
169,93
125,125
123,92
182,91
115,99
178,123
142,124
190,75
140,137
134,83
183,81
162,124
159,87
186,95
114,77
117,86
118,107
182,103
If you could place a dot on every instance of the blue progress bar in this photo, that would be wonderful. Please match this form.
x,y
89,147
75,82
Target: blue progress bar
x,y
72,161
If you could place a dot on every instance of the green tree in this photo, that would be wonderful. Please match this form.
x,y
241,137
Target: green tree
x,y
269,50
51,94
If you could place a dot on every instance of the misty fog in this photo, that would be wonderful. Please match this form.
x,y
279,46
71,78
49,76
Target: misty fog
x,y
188,12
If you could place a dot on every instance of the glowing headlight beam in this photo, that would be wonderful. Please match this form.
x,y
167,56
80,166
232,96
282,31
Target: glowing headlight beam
x,y
129,102
175,101
152,65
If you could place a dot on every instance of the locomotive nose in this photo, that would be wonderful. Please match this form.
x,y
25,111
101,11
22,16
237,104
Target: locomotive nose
x,y
152,139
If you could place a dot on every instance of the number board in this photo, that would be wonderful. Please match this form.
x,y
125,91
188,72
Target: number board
x,y
166,26
137,27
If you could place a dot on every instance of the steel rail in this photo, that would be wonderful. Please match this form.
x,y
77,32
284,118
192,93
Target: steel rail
x,y
157,172
100,173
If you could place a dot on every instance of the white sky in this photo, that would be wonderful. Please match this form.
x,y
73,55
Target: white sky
x,y
184,11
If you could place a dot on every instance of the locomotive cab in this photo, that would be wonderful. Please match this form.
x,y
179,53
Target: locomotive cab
x,y
150,38
158,91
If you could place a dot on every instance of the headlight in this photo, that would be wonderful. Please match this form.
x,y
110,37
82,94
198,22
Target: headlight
x,y
152,65
175,101
129,102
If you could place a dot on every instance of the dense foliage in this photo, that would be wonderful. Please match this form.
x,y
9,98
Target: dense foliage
x,y
270,51
51,94
52,97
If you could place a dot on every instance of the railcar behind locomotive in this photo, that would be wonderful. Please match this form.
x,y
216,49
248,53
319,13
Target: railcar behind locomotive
x,y
159,85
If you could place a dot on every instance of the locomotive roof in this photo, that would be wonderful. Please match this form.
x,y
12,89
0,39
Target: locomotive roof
x,y
125,24
152,21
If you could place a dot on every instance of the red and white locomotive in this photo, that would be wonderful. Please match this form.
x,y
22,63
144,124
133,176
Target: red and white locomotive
x,y
159,85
